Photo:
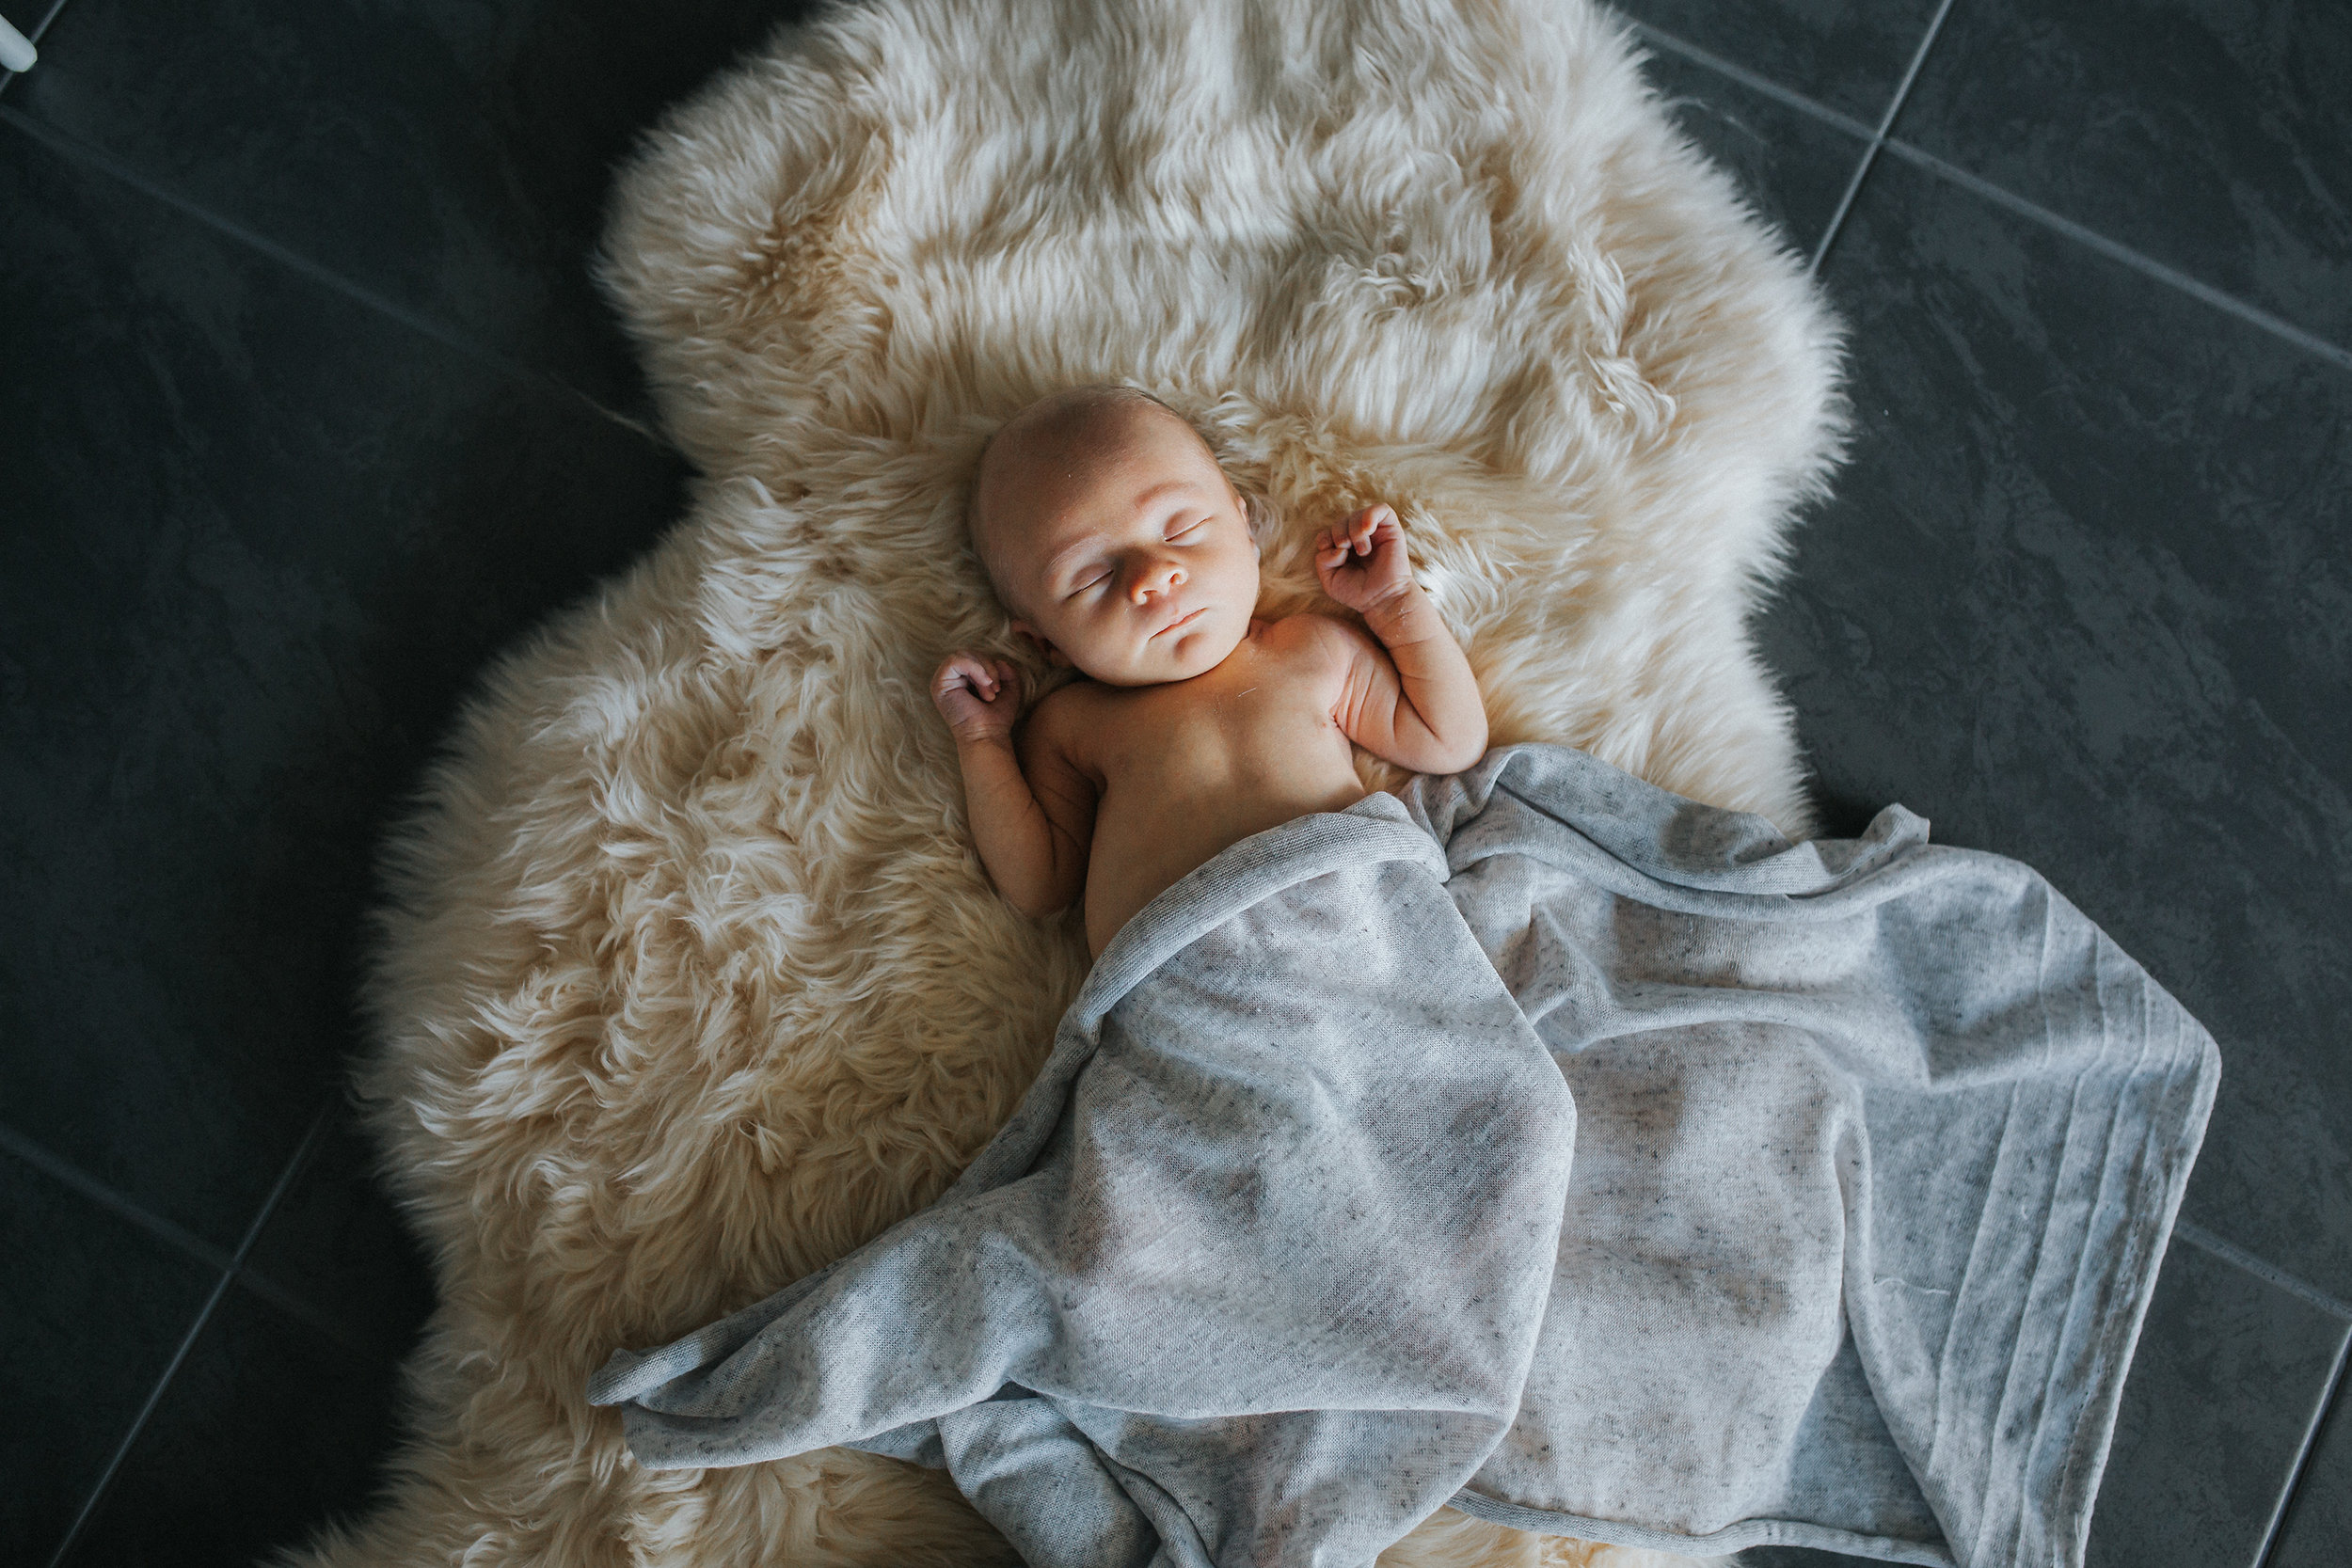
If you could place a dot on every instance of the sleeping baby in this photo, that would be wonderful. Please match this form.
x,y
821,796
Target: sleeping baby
x,y
1122,549
1278,1254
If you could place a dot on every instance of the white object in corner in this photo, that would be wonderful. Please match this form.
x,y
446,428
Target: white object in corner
x,y
16,51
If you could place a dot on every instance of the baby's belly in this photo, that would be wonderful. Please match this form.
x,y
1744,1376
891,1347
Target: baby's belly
x,y
1147,839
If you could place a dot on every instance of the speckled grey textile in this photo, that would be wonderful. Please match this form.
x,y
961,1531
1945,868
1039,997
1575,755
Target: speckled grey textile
x,y
1875,1146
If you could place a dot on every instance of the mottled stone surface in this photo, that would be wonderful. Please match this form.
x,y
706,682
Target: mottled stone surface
x,y
262,538
2084,598
297,298
2318,1527
451,160
95,1307
2215,136
2229,1374
261,1395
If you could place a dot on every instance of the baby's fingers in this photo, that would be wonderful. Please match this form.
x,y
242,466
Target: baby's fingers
x,y
1362,528
960,670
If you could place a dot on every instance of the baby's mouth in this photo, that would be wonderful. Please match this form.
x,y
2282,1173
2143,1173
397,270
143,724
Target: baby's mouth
x,y
1184,620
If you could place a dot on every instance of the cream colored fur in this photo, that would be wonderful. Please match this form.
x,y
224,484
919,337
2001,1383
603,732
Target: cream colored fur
x,y
692,980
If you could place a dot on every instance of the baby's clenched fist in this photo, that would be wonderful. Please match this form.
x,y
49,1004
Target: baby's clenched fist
x,y
1362,561
978,697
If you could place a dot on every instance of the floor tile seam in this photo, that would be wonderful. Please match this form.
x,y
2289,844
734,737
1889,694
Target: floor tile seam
x,y
1845,204
66,1174
74,149
1762,85
139,1424
97,1493
2302,1467
2268,1272
2117,251
1878,138
1911,72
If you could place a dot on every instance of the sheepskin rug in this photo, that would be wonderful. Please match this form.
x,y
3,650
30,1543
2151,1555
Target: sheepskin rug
x,y
690,980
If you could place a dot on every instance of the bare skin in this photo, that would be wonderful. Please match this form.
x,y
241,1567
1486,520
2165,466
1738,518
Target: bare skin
x,y
1124,551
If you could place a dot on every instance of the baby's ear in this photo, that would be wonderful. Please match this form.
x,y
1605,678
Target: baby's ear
x,y
1054,656
1257,513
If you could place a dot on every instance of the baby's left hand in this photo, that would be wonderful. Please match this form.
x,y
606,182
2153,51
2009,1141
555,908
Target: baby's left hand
x,y
1362,561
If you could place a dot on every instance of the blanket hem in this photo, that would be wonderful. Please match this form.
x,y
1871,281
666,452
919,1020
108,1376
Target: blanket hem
x,y
1732,1538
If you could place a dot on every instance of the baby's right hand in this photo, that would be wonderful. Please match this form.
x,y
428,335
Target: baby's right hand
x,y
978,697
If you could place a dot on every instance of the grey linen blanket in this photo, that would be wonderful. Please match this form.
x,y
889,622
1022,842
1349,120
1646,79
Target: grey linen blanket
x,y
1541,1143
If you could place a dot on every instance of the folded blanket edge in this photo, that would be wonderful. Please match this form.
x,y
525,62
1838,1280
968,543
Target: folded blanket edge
x,y
1732,1538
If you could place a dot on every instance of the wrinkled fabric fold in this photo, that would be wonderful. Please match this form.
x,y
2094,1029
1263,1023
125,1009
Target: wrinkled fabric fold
x,y
1539,1142
1277,1217
1879,1146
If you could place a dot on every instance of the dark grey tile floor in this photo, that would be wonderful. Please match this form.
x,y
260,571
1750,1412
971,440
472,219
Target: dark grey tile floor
x,y
306,408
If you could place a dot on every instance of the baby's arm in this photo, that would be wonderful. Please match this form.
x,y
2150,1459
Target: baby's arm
x,y
1412,699
1032,809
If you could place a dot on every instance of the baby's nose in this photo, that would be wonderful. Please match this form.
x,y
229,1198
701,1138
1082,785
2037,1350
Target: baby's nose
x,y
1156,575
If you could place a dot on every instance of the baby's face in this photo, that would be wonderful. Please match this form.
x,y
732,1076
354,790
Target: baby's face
x,y
1122,545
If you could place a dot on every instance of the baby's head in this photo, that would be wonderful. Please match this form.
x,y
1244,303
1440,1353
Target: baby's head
x,y
1114,538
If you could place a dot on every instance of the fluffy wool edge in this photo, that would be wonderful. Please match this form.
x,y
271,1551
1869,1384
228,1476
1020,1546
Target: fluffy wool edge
x,y
689,980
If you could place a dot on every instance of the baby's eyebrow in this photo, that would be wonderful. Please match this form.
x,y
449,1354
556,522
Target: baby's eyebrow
x,y
1162,488
1054,563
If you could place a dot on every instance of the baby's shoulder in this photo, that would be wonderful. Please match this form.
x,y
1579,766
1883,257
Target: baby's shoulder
x,y
1067,715
1065,703
1313,638
1064,730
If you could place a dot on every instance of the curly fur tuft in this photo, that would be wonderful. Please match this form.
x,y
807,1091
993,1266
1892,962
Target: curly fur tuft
x,y
690,981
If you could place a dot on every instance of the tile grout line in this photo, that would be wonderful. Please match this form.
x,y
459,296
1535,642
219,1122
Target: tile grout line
x,y
187,1342
2270,1273
1988,191
1978,185
2278,1279
2123,254
1762,85
67,1175
77,150
71,1175
2303,1454
1877,139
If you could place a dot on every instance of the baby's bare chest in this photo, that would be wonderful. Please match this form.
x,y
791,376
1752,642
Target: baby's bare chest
x,y
1251,727
1188,770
